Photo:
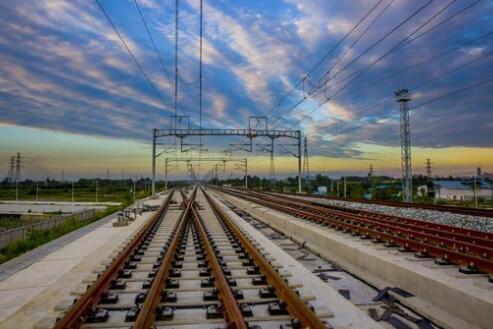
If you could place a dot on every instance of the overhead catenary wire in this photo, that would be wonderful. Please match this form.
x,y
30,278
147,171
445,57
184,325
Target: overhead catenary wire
x,y
452,93
374,44
201,32
324,57
424,83
360,36
158,54
445,20
176,56
417,64
399,45
416,87
127,48
408,41
383,37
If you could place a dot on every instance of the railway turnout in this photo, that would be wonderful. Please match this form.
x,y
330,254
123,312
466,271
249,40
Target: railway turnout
x,y
192,265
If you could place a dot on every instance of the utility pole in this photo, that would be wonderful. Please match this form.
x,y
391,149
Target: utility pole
x,y
306,165
62,176
246,174
18,166
97,190
344,187
403,97
428,168
337,188
475,191
166,174
37,191
134,188
12,170
272,172
215,175
72,194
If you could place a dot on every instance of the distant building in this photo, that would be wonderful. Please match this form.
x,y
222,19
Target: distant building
x,y
462,190
321,190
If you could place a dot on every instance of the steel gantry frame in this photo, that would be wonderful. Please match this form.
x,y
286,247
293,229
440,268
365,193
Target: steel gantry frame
x,y
242,165
250,133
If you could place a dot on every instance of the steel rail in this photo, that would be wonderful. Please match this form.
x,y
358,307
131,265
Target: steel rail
x,y
232,312
296,307
453,209
83,306
479,246
456,253
467,233
147,315
435,228
442,230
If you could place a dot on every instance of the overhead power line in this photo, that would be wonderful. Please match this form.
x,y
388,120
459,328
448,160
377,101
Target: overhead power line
x,y
407,41
455,92
158,54
401,44
452,93
377,17
373,45
324,57
383,37
135,61
355,75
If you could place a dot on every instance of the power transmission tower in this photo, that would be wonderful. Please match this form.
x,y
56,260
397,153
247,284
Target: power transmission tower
x,y
18,167
370,172
306,165
428,168
272,170
403,97
12,170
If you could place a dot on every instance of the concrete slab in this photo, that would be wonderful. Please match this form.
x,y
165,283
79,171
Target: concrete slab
x,y
32,293
345,313
448,301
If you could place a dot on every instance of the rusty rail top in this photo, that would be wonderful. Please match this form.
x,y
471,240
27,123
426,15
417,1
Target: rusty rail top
x,y
147,314
83,306
471,238
232,312
295,305
473,256
443,208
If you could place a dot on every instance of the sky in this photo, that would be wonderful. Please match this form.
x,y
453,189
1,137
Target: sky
x,y
72,99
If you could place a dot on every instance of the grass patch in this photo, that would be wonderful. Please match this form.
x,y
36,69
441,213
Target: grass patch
x,y
38,237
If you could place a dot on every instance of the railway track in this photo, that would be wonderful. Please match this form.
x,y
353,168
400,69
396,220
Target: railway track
x,y
191,265
471,250
452,209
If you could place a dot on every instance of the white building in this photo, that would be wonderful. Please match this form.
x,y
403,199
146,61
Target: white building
x,y
462,190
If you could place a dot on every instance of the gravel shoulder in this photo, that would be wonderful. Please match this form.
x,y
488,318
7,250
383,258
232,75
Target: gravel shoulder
x,y
465,221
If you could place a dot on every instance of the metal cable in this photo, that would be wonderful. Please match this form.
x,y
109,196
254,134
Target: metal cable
x,y
158,54
136,62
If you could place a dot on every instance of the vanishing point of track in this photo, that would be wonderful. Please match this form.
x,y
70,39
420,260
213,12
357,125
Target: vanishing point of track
x,y
191,264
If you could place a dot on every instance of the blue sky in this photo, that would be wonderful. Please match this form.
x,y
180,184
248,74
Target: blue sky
x,y
64,70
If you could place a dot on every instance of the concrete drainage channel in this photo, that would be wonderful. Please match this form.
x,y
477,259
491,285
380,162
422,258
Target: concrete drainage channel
x,y
380,305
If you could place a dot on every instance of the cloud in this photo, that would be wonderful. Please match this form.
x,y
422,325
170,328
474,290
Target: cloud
x,y
63,68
